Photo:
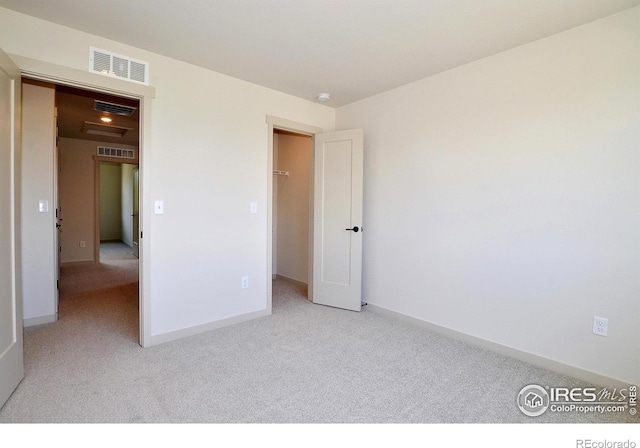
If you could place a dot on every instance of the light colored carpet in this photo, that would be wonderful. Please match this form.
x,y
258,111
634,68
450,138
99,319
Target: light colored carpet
x,y
116,250
304,364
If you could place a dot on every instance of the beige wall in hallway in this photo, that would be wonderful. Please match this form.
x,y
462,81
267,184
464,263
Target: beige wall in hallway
x,y
77,197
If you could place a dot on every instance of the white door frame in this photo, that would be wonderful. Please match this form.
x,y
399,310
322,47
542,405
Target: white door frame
x,y
299,128
56,74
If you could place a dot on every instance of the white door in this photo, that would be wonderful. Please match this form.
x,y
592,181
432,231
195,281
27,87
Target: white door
x,y
11,364
337,219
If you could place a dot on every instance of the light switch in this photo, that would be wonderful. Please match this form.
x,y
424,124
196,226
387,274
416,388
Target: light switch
x,y
158,207
43,206
254,208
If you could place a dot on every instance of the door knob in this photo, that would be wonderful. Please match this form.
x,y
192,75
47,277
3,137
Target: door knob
x,y
355,229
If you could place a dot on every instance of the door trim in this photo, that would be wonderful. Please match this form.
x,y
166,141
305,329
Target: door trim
x,y
299,128
57,74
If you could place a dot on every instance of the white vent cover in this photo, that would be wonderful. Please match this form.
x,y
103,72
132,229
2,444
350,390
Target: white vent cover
x,y
116,152
123,67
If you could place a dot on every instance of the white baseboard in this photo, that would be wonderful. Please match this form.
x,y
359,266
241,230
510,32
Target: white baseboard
x,y
198,329
291,280
536,360
33,321
78,263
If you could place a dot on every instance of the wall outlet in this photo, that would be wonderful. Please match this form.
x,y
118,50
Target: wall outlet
x,y
245,282
83,244
600,326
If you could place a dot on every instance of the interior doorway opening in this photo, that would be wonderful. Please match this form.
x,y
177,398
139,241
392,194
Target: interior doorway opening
x,y
97,194
54,76
117,209
292,207
276,128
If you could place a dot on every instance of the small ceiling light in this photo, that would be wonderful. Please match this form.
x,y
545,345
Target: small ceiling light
x,y
106,119
323,97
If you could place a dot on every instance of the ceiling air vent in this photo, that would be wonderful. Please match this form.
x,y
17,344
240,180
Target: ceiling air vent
x,y
118,66
116,152
112,108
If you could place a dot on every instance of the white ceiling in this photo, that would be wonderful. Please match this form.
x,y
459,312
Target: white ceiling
x,y
350,48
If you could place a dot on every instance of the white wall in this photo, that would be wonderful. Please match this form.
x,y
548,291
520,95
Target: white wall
x,y
502,198
38,229
206,158
110,201
292,212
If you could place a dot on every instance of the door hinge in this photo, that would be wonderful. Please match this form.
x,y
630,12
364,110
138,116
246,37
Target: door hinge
x,y
141,234
57,284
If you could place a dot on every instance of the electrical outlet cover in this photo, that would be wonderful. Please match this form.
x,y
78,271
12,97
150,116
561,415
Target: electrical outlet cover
x,y
600,326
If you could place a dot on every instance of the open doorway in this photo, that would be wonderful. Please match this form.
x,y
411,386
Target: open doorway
x,y
292,199
117,210
277,175
44,164
98,158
